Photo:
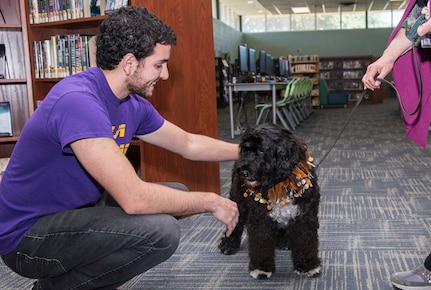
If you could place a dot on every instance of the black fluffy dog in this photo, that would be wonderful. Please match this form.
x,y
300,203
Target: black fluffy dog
x,y
276,189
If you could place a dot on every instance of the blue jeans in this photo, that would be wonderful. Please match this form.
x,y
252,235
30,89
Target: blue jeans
x,y
96,247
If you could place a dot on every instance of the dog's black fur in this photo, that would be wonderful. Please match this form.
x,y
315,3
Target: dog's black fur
x,y
268,154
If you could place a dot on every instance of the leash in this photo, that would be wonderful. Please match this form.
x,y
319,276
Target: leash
x,y
366,91
411,113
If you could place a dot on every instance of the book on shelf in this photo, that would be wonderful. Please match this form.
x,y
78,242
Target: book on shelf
x,y
3,165
113,5
62,55
2,61
42,11
97,7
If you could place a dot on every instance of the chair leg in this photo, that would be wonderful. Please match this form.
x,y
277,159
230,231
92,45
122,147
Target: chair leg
x,y
297,111
305,108
289,117
259,116
283,122
292,112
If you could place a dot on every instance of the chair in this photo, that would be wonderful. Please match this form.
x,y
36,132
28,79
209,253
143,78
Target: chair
x,y
303,98
331,98
286,108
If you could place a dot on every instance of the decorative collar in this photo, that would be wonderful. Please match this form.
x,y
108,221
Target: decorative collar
x,y
294,186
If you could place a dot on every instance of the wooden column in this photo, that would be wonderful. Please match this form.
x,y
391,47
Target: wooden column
x,y
188,97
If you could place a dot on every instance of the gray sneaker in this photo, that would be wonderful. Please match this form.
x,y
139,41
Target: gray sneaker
x,y
417,279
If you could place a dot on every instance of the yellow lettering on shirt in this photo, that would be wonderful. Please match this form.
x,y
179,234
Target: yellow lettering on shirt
x,y
119,133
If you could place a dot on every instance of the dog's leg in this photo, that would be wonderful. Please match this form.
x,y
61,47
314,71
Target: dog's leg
x,y
261,251
304,243
230,245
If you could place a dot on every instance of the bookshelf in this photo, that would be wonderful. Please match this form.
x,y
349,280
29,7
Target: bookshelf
x,y
307,66
221,79
45,31
15,87
344,74
187,99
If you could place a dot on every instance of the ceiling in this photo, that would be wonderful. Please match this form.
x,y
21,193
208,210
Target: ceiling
x,y
278,7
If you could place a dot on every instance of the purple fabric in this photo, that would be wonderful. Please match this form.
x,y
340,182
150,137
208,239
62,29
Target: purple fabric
x,y
43,175
407,84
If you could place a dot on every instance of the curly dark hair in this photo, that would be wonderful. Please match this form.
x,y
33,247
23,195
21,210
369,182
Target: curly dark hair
x,y
131,29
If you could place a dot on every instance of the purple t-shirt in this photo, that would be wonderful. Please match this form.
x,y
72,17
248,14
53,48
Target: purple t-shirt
x,y
44,176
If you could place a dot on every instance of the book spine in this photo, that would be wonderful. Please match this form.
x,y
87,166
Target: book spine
x,y
67,68
35,10
84,55
46,54
54,63
51,10
78,58
86,8
72,52
60,56
36,54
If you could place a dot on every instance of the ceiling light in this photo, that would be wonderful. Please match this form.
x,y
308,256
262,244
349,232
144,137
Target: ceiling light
x,y
301,9
250,2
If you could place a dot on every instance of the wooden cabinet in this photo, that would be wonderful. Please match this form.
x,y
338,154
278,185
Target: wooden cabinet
x,y
307,66
187,99
15,87
344,74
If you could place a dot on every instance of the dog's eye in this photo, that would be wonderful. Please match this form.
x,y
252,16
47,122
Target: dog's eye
x,y
245,173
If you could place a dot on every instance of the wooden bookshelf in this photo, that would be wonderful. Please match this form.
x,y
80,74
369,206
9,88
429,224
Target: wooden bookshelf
x,y
187,99
16,87
344,74
307,66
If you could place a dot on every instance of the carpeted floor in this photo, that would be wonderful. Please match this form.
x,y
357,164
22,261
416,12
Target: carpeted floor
x,y
375,215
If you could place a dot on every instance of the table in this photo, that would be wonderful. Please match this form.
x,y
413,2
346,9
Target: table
x,y
253,87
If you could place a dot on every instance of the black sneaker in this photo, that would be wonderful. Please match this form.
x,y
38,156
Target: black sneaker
x,y
417,279
36,286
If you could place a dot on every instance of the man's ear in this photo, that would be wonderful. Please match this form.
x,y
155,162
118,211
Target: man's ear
x,y
129,63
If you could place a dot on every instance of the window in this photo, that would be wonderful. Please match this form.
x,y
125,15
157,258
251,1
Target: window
x,y
380,19
311,21
302,22
353,20
278,23
328,21
254,23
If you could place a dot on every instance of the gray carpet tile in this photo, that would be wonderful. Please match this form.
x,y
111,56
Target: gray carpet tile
x,y
375,215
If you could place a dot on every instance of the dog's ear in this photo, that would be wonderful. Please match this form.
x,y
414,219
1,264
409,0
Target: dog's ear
x,y
251,140
292,150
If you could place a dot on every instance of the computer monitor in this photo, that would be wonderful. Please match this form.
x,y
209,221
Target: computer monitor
x,y
281,67
262,62
252,60
243,61
269,65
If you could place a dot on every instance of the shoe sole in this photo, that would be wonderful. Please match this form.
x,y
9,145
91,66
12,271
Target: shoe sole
x,y
404,287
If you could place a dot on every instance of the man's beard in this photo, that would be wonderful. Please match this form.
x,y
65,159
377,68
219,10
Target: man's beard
x,y
141,91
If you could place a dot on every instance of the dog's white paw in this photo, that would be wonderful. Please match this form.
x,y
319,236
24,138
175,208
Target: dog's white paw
x,y
259,274
312,273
